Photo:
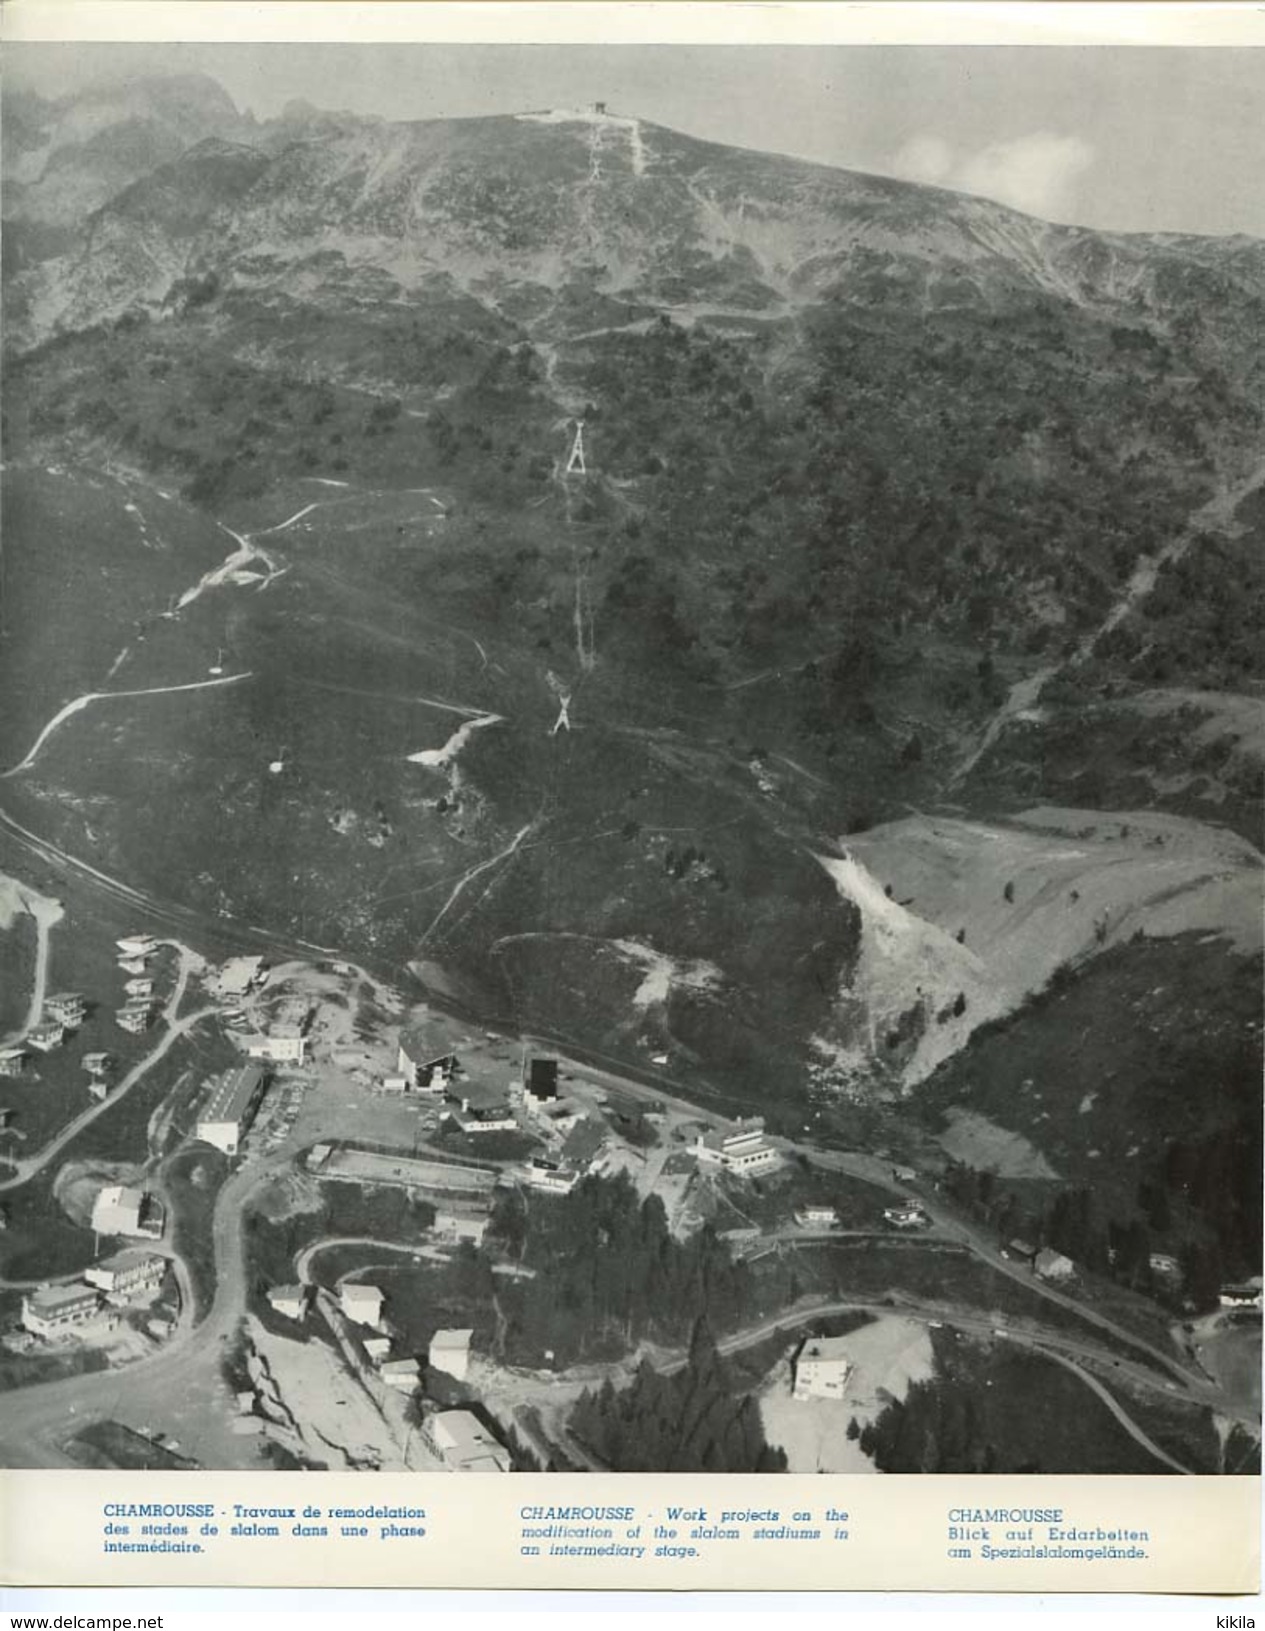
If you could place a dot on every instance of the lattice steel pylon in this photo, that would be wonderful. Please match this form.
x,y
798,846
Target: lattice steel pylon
x,y
575,464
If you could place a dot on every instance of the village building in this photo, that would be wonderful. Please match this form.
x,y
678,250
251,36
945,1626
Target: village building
x,y
136,945
98,1088
127,1275
584,1144
288,1301
394,1085
404,1374
425,1067
554,1117
362,1304
378,1348
1165,1265
46,1036
821,1369
1021,1250
909,1216
141,986
96,1064
540,1083
284,1045
68,1008
53,1310
740,1148
240,975
459,1226
12,1061
117,1210
1245,1296
133,965
450,1352
1051,1265
463,1443
550,1176
134,1017
480,1107
904,1175
226,1117
816,1215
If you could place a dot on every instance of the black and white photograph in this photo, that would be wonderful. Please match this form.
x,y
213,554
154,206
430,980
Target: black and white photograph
x,y
631,751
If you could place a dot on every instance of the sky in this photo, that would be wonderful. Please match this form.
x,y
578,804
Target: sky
x,y
1125,139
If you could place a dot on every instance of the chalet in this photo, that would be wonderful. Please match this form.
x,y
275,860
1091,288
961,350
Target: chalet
x,y
134,1017
96,1064
362,1304
121,1210
394,1085
821,1369
1051,1265
903,1175
459,1226
53,1310
814,1215
136,945
98,1089
404,1374
584,1145
426,1068
909,1216
127,1275
46,1036
240,975
12,1061
1245,1296
463,1443
231,1107
740,1148
284,1045
288,1301
141,986
1021,1250
480,1107
68,1008
450,1352
1166,1266
378,1348
133,965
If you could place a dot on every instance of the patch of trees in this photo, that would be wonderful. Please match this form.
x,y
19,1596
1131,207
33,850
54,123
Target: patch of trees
x,y
690,1421
609,1273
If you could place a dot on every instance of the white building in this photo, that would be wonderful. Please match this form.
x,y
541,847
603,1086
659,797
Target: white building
x,y
134,1016
67,1008
378,1348
362,1304
12,1061
1052,1265
814,1215
822,1368
450,1352
425,1067
404,1374
47,1036
53,1310
288,1301
127,1274
240,975
118,1210
459,1226
909,1216
463,1443
136,945
551,1178
740,1148
285,1045
229,1111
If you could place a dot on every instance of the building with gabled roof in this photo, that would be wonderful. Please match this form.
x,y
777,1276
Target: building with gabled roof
x,y
822,1367
288,1301
449,1352
740,1148
463,1443
12,1060
52,1310
424,1063
1051,1265
404,1374
46,1036
584,1144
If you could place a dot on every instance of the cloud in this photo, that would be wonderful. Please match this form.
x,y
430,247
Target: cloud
x,y
1037,173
